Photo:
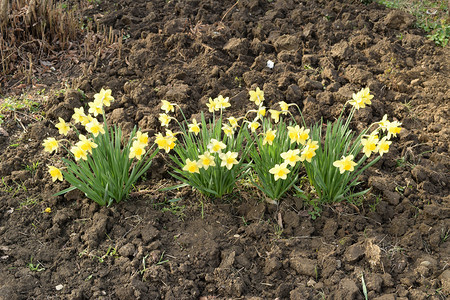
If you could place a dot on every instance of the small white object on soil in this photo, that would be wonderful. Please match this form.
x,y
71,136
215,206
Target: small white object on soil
x,y
270,64
59,287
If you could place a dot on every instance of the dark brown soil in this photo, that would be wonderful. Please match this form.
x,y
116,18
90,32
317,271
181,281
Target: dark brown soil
x,y
186,52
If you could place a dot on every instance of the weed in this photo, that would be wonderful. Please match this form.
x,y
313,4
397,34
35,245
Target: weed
x,y
35,268
161,259
29,202
373,206
32,168
364,287
444,235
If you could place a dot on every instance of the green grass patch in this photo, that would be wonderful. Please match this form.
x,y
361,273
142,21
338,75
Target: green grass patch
x,y
431,15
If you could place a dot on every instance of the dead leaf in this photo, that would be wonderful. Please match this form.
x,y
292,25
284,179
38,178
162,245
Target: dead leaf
x,y
372,252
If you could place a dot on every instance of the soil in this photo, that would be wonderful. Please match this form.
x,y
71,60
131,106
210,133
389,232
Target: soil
x,y
149,247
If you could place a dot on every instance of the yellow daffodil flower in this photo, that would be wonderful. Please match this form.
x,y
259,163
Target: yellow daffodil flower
x,y
95,107
280,171
50,145
370,144
167,106
222,102
253,125
269,136
284,107
345,164
142,138
194,127
164,119
212,105
275,115
383,146
257,96
62,126
79,115
384,123
191,166
136,150
166,142
309,151
206,160
94,127
297,134
228,159
86,144
393,128
366,96
291,157
228,130
261,111
104,97
78,153
233,122
215,146
55,173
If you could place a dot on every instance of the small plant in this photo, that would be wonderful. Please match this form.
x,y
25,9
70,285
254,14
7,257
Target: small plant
x,y
35,268
440,34
103,168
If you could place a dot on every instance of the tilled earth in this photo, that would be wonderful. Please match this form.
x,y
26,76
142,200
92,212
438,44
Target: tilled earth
x,y
397,239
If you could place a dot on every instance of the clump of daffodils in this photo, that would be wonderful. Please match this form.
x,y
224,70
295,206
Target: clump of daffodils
x,y
341,158
207,155
101,167
282,147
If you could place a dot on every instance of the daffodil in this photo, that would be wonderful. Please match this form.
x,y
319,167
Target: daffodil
x,y
194,127
212,105
253,125
104,97
361,98
228,130
165,142
384,123
78,153
393,128
370,144
383,146
164,119
345,164
216,146
366,96
136,150
55,173
79,115
222,102
50,145
297,134
62,126
206,160
94,127
280,171
257,96
228,159
142,138
284,107
191,166
291,157
233,122
86,144
309,151
167,106
261,111
95,107
269,136
275,115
